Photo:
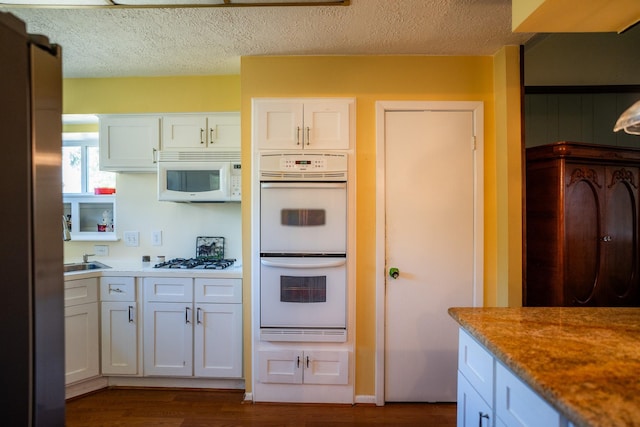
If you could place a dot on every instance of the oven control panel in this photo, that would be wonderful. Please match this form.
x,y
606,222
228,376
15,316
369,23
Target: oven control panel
x,y
303,164
321,165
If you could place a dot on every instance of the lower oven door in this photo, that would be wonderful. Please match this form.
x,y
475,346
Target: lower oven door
x,y
303,292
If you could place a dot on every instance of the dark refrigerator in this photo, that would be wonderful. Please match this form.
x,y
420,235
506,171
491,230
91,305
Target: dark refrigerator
x,y
32,319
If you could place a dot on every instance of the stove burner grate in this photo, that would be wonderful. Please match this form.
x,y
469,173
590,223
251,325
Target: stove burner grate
x,y
197,263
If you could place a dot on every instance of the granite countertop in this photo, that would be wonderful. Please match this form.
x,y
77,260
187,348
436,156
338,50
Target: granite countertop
x,y
584,361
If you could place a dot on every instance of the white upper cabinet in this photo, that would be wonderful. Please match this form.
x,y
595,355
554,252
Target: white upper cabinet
x,y
309,124
128,143
200,131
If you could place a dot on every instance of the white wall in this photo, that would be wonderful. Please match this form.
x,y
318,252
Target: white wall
x,y
137,209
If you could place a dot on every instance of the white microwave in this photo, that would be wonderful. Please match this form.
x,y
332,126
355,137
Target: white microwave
x,y
199,176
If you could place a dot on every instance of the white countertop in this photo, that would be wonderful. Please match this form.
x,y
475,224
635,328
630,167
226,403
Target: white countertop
x,y
127,267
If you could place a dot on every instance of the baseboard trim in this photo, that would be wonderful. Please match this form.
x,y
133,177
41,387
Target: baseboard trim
x,y
365,400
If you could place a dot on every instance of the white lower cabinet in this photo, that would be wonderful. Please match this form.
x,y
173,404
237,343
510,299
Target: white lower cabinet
x,y
120,326
472,409
303,366
518,405
81,327
475,383
193,327
489,394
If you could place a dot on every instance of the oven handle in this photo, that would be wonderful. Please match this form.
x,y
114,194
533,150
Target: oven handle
x,y
333,263
303,185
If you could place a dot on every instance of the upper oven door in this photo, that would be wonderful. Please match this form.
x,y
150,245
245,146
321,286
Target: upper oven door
x,y
303,217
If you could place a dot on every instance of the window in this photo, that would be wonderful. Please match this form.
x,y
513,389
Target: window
x,y
81,163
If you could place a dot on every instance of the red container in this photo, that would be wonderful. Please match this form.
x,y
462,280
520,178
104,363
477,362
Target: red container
x,y
104,190
102,227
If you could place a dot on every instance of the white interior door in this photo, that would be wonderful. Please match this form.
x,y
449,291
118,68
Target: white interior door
x,y
430,238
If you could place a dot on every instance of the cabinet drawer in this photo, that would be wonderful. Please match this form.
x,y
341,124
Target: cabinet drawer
x,y
168,289
222,291
518,405
80,291
117,289
476,364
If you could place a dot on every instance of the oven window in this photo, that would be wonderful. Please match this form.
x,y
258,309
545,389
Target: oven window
x,y
303,217
303,289
192,181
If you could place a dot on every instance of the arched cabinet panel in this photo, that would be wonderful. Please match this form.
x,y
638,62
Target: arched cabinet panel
x,y
581,230
581,242
621,238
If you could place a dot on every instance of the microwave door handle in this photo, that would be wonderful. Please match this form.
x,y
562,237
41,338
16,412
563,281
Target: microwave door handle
x,y
333,263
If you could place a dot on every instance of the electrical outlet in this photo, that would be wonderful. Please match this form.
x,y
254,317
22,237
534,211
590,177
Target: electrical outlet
x,y
131,238
156,237
101,250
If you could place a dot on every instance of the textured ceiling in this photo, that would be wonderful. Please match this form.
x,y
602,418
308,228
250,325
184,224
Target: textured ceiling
x,y
203,41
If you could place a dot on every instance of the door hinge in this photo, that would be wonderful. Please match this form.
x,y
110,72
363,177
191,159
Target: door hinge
x,y
473,143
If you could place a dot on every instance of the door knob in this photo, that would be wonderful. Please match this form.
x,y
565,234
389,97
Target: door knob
x,y
394,272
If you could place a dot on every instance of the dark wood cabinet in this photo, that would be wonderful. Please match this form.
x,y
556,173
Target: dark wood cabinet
x,y
582,225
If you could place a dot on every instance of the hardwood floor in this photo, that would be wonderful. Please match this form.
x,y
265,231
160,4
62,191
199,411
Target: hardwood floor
x,y
190,408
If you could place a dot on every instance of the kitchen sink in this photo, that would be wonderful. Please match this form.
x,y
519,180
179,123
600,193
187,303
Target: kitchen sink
x,y
82,266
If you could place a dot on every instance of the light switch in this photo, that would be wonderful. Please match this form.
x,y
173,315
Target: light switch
x,y
156,237
131,238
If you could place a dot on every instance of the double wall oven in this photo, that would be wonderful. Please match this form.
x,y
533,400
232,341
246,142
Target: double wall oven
x,y
303,246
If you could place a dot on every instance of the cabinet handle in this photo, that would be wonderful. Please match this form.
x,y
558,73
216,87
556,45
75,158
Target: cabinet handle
x,y
198,320
201,136
298,362
298,135
130,314
480,417
211,135
187,320
307,362
308,135
154,155
606,238
116,290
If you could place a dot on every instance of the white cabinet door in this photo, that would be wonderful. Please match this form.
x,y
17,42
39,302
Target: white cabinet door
x,y
325,367
280,366
472,410
129,143
184,131
223,131
326,125
119,338
311,124
303,367
168,338
188,131
82,354
217,347
278,124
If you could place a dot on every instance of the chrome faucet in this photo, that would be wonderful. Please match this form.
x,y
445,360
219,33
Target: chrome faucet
x,y
85,257
66,236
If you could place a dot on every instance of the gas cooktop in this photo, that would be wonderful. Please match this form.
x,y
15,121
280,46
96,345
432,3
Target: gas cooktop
x,y
196,263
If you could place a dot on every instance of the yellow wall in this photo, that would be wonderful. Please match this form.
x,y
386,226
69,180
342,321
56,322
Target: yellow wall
x,y
492,80
508,161
151,95
369,79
